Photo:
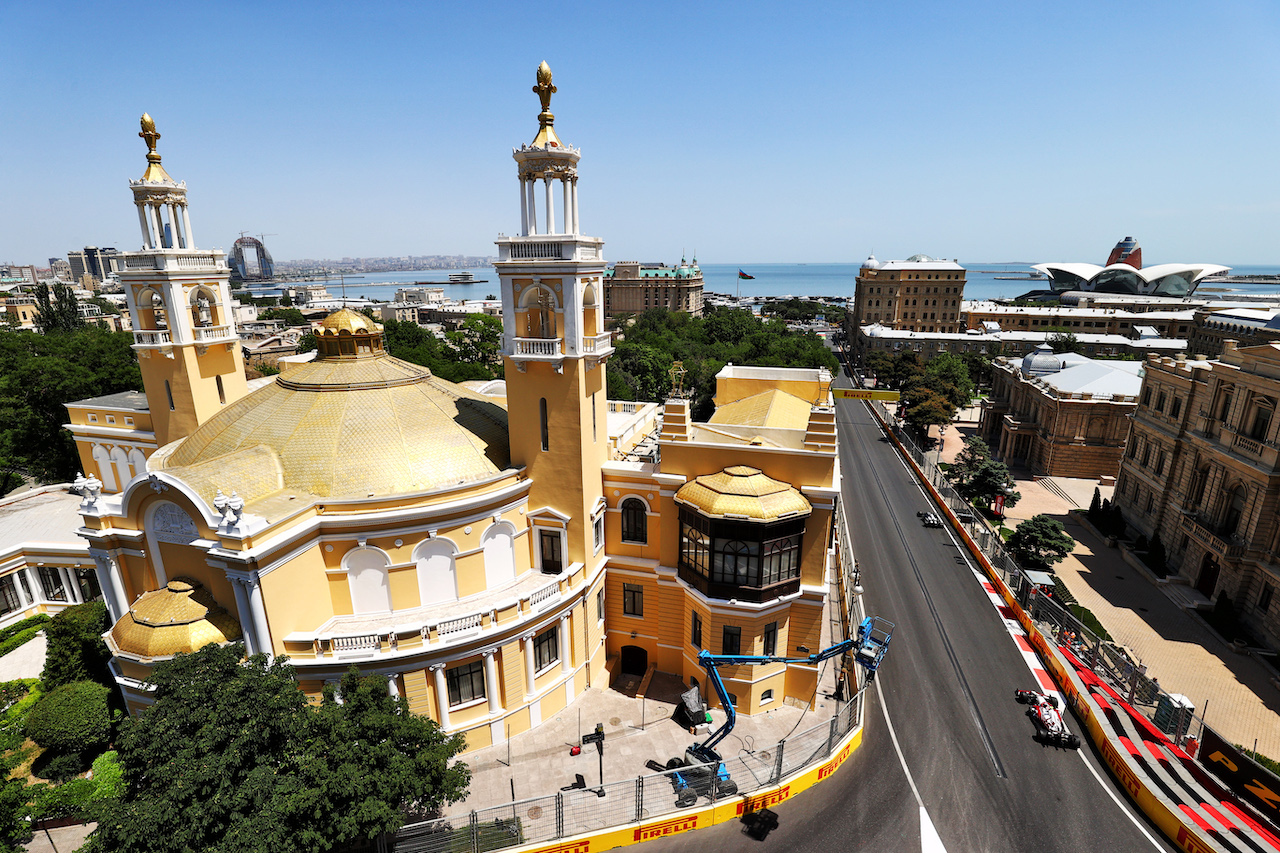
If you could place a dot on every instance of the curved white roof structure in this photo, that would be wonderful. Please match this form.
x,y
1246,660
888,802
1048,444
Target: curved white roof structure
x,y
1159,280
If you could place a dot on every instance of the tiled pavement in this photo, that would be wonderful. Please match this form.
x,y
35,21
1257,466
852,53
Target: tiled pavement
x,y
1176,647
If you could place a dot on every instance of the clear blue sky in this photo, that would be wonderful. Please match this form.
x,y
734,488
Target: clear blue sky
x,y
751,132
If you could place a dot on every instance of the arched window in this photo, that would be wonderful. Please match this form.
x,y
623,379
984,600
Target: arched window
x,y
635,521
734,564
437,577
105,472
498,544
367,576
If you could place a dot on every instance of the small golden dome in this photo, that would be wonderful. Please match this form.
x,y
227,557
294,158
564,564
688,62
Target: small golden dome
x,y
181,618
351,322
743,492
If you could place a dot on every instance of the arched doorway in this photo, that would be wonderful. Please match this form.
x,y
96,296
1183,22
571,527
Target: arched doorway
x,y
635,660
1208,579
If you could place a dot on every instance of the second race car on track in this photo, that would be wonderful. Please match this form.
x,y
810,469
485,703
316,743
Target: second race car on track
x,y
1047,718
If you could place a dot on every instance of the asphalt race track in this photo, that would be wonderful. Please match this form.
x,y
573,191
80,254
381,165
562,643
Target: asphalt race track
x,y
948,684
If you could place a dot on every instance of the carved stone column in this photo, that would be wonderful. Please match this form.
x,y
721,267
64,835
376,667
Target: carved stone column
x,y
529,688
442,694
566,645
491,682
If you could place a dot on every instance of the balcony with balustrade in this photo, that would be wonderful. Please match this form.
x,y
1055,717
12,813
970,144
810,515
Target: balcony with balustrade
x,y
434,629
1209,537
551,248
175,260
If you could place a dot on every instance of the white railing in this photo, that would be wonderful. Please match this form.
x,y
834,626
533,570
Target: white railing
x,y
196,262
537,346
213,333
358,643
462,623
625,407
544,595
535,250
597,343
152,338
145,262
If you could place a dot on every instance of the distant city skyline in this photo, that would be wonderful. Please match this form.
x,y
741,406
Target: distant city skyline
x,y
744,133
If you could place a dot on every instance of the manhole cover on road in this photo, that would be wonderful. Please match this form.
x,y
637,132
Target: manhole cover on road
x,y
535,812
614,721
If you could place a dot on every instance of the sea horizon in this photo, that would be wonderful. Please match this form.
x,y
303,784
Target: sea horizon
x,y
832,280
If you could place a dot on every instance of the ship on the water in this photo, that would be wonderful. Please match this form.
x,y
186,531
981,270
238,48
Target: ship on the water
x,y
456,278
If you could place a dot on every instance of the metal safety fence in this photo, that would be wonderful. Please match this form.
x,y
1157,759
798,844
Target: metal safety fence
x,y
1109,661
568,813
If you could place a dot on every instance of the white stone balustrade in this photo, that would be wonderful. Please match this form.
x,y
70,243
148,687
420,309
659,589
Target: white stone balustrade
x,y
359,643
152,338
213,333
597,343
537,346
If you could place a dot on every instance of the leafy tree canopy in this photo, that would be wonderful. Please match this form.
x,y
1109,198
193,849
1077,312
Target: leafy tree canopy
x,y
76,651
1063,342
38,374
232,757
1039,542
56,310
639,369
288,316
796,310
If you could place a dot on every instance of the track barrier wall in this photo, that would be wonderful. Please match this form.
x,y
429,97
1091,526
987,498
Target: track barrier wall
x,y
1047,623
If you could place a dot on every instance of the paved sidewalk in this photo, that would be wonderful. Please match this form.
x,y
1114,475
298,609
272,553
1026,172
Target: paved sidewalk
x,y
1177,649
26,661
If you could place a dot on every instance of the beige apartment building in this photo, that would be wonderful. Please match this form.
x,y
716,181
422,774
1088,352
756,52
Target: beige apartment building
x,y
1202,471
920,294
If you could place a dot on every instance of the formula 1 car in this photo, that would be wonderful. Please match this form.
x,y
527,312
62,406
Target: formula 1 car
x,y
929,519
1044,714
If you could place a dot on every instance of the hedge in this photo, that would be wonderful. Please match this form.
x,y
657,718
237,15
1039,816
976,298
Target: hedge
x,y
19,639
22,625
109,776
73,719
68,800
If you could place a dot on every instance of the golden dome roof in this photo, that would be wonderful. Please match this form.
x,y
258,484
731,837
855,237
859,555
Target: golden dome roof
x,y
338,427
351,322
743,492
181,618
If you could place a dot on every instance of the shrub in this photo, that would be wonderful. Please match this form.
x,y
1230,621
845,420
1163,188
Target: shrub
x,y
20,626
1095,505
19,639
76,651
1086,617
73,719
12,691
69,800
13,721
1157,560
109,775
57,767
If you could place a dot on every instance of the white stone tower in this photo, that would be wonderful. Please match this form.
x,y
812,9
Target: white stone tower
x,y
555,346
179,299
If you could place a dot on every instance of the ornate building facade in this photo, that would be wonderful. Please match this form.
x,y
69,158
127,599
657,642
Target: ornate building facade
x,y
494,557
1202,471
633,288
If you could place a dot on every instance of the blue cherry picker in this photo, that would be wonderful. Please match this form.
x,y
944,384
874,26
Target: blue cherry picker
x,y
702,771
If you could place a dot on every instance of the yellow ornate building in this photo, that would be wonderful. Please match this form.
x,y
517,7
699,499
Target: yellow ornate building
x,y
495,557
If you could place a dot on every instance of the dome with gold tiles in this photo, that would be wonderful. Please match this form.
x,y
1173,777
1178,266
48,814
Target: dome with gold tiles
x,y
741,491
353,423
179,619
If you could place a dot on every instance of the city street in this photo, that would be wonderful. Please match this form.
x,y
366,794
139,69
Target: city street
x,y
977,778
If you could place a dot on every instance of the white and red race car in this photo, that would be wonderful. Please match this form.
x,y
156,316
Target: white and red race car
x,y
1044,713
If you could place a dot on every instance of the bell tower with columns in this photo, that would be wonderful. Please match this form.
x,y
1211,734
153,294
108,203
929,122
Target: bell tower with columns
x,y
179,300
555,347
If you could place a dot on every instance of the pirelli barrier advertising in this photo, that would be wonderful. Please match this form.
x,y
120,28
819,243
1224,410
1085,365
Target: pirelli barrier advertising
x,y
1247,779
865,394
730,809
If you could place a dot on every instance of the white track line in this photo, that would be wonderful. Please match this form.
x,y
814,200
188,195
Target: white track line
x,y
929,840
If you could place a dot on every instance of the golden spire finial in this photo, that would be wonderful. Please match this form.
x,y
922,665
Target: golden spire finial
x,y
545,90
149,133
155,172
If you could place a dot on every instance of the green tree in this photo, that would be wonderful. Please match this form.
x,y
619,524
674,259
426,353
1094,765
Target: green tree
x,y
15,830
988,480
38,374
478,341
972,455
880,363
1063,341
1095,505
1157,560
307,343
923,408
76,651
906,366
288,316
1040,542
947,375
232,757
56,310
